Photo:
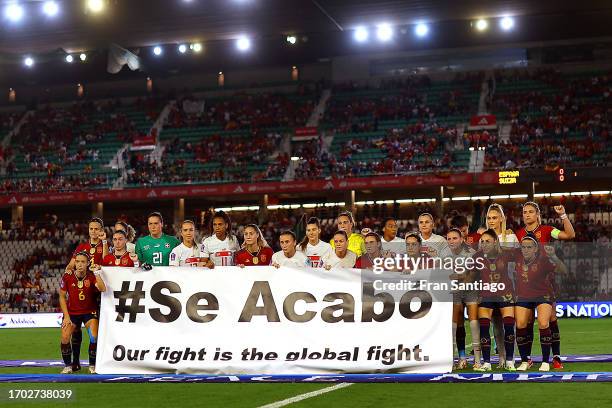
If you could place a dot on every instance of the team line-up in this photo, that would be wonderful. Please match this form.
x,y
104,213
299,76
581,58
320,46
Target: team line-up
x,y
518,265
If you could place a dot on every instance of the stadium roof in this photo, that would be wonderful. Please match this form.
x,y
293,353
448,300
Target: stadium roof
x,y
323,29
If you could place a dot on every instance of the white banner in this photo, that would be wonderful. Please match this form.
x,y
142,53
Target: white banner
x,y
30,320
262,320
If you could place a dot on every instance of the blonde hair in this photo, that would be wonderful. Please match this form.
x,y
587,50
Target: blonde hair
x,y
500,210
130,232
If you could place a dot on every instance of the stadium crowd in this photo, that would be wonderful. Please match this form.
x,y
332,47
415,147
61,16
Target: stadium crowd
x,y
564,121
231,159
361,108
244,111
396,126
54,139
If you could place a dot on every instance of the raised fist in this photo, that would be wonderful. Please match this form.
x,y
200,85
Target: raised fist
x,y
559,209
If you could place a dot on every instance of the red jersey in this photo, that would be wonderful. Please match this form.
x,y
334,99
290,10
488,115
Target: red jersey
x,y
81,294
364,262
543,233
497,271
263,258
473,239
534,281
123,261
95,251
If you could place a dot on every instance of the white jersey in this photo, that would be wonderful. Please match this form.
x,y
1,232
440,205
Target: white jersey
x,y
510,241
348,261
182,255
221,252
434,245
317,254
396,245
464,253
298,260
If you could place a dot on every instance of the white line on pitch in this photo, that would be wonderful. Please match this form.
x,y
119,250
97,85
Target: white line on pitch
x,y
301,397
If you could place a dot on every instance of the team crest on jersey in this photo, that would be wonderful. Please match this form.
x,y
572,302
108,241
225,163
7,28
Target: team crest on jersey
x,y
124,262
470,240
87,283
146,247
99,250
167,245
263,258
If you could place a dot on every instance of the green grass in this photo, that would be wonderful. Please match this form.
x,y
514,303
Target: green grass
x,y
163,395
466,395
579,336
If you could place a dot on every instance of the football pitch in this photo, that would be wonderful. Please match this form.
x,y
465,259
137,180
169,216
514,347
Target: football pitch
x,y
579,336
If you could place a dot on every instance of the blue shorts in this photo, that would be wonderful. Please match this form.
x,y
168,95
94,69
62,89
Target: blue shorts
x,y
81,319
495,305
533,305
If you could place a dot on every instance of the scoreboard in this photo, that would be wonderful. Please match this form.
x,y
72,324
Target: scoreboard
x,y
508,177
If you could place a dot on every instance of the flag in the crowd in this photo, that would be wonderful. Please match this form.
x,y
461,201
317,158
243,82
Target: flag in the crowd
x,y
118,57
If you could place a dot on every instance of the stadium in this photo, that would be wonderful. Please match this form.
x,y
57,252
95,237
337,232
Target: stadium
x,y
264,203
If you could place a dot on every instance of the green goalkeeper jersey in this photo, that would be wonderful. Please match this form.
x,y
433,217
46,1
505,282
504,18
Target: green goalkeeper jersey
x,y
156,251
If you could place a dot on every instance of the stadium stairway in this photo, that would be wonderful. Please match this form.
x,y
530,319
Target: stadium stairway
x,y
476,161
319,111
118,161
484,95
505,127
6,140
216,131
100,151
7,135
